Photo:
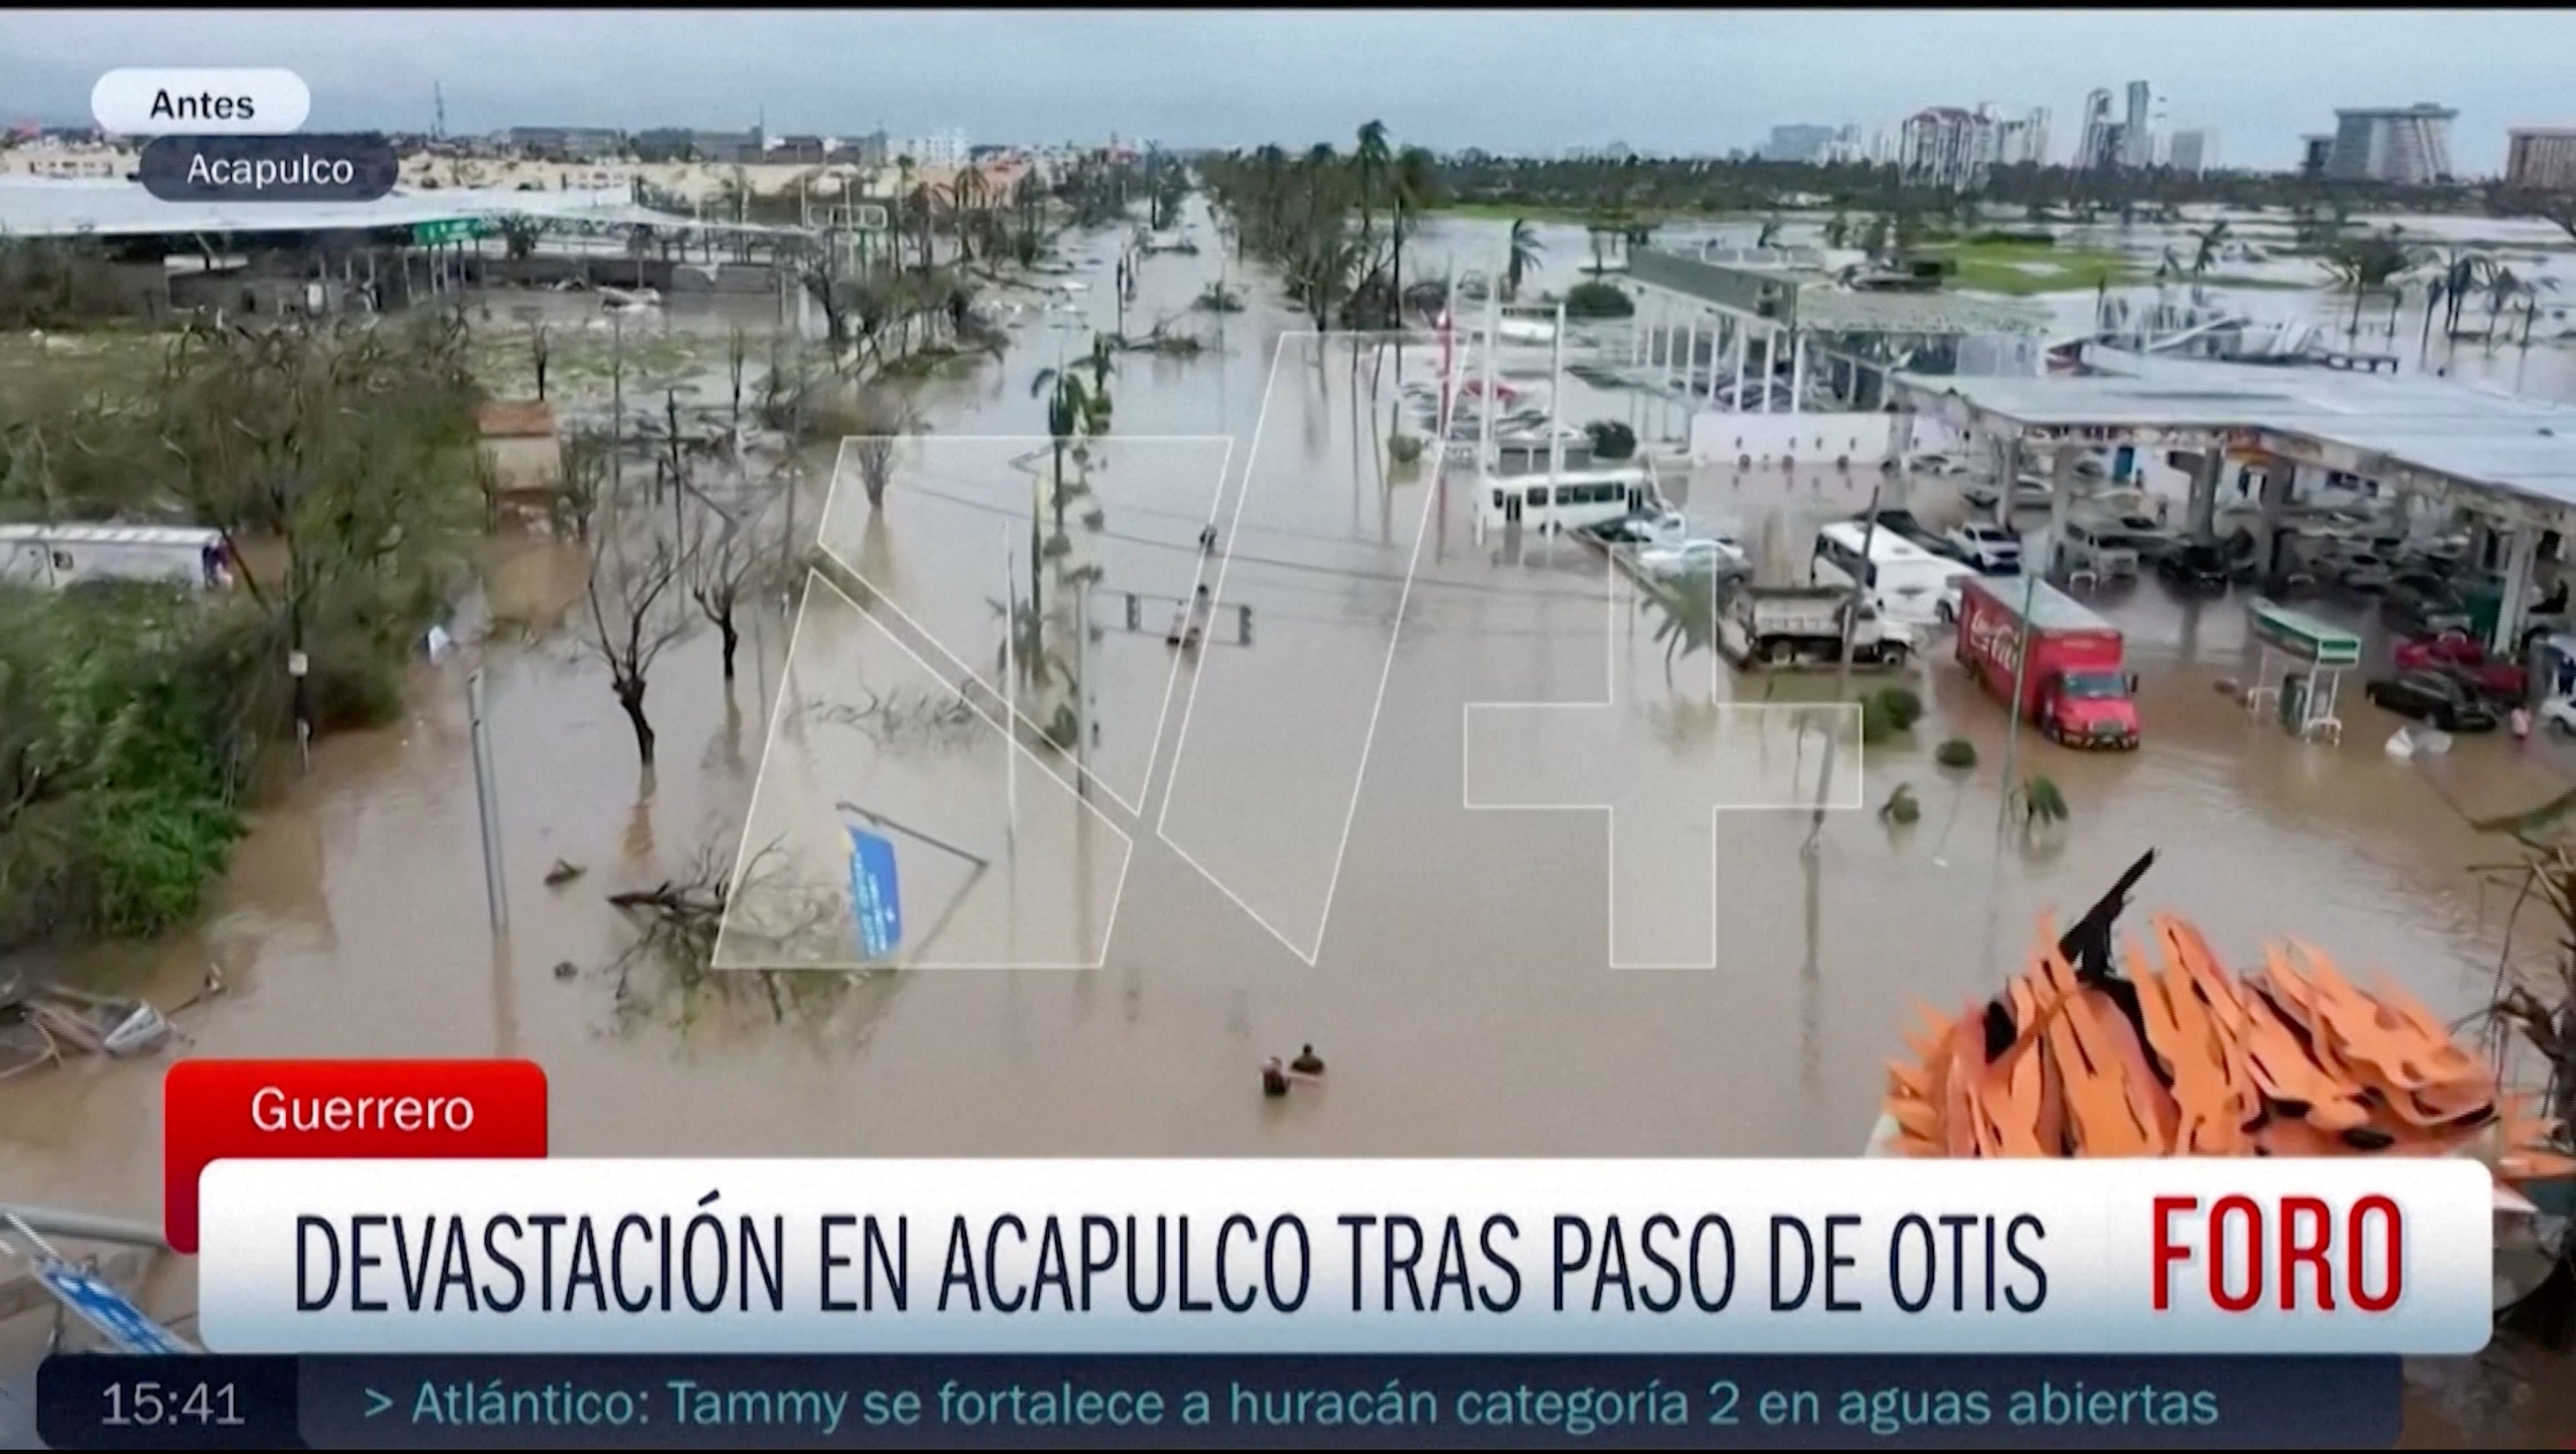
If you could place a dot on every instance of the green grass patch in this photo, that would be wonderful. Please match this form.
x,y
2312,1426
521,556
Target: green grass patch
x,y
2021,269
1537,212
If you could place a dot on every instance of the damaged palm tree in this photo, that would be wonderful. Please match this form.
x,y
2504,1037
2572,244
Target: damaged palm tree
x,y
2536,1006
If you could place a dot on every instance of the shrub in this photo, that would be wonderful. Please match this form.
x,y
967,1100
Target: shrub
x,y
1404,448
1611,439
1901,806
1958,752
1902,706
1595,298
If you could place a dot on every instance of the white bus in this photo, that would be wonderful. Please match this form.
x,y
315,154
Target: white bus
x,y
1567,501
62,555
1905,582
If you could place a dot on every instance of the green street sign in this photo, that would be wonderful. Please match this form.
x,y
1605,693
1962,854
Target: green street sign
x,y
453,229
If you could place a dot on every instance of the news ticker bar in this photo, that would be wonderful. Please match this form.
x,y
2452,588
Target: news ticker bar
x,y
1541,1258
1195,1400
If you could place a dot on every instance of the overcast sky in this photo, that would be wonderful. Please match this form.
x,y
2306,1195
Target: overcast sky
x,y
1517,81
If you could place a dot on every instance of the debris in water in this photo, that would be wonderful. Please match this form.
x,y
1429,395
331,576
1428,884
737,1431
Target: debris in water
x,y
2181,1056
564,872
566,969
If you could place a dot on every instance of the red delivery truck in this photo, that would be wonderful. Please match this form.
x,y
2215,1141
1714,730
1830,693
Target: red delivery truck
x,y
2076,687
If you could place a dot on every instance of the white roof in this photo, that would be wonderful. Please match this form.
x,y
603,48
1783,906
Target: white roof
x,y
58,207
195,537
2481,437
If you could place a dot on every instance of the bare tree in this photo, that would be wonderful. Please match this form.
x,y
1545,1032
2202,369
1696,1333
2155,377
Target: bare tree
x,y
881,420
736,348
638,607
578,486
726,565
539,351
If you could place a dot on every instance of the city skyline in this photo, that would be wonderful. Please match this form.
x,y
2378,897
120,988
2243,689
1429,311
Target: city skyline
x,y
1244,78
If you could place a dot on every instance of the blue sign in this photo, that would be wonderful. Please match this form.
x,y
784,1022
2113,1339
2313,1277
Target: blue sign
x,y
102,1307
875,898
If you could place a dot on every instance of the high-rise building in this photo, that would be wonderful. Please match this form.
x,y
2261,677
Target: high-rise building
x,y
2314,152
2541,159
2143,134
2098,144
2019,139
1948,146
2407,145
2193,151
1797,143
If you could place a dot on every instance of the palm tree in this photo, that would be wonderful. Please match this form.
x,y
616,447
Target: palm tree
x,y
1769,236
1689,617
2504,285
2204,256
967,195
1411,194
1837,231
2367,263
1369,162
1526,252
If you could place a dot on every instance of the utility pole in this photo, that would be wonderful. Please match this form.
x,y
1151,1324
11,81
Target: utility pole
x,y
1842,679
2021,678
1010,692
616,405
1082,728
487,804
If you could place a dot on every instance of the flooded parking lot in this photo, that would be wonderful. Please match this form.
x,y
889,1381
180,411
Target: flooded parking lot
x,y
1300,839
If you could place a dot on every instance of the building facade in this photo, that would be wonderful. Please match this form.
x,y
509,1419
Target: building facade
x,y
942,149
2097,144
569,143
2314,153
2143,126
2541,159
2405,145
1797,143
2022,139
2194,151
1949,146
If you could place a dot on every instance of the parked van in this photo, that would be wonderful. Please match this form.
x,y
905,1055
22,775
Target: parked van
x,y
55,556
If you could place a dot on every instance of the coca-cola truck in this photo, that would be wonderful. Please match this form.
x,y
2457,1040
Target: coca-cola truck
x,y
2075,686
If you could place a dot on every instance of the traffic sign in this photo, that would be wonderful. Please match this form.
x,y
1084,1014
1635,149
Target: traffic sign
x,y
109,1311
449,229
875,897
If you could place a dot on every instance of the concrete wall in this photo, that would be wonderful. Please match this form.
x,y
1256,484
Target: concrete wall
x,y
1719,437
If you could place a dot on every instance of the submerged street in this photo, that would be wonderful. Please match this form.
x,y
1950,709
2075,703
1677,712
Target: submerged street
x,y
1296,841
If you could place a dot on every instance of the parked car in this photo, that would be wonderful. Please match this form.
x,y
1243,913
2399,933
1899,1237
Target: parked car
x,y
2364,571
2462,656
1993,549
2197,566
1705,556
2027,494
2422,603
1902,522
2430,696
1644,528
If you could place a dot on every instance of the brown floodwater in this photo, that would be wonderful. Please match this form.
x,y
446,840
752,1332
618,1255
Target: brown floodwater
x,y
1453,961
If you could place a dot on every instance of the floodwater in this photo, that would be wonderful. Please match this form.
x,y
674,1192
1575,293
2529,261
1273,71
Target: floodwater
x,y
1361,839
